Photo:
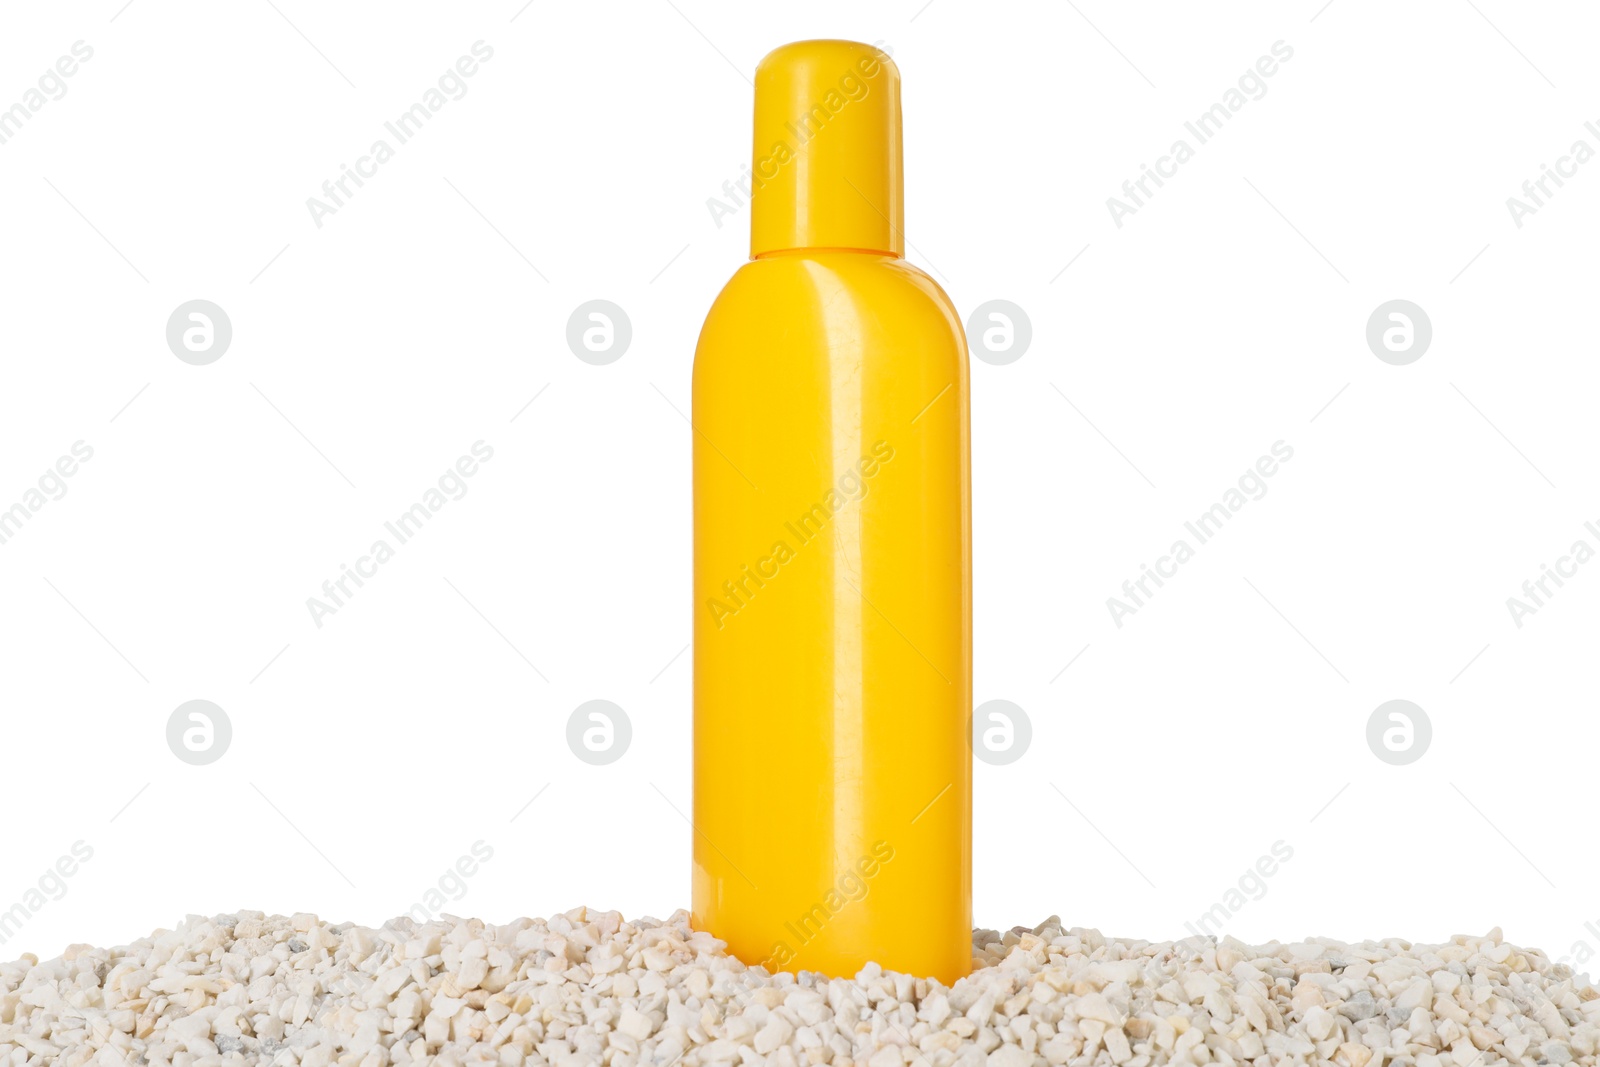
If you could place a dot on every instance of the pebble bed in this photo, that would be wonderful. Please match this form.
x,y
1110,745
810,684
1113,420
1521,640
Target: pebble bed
x,y
588,988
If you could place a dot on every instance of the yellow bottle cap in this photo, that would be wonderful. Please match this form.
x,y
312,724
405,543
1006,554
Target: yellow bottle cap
x,y
827,150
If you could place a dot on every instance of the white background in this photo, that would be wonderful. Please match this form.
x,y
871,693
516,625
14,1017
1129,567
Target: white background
x,y
1228,714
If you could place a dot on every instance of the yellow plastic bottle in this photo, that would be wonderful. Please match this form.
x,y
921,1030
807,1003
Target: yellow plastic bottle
x,y
832,568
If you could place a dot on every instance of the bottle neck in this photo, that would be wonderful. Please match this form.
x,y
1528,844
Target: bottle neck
x,y
827,250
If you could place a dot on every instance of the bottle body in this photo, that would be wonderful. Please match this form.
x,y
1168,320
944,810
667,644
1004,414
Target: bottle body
x,y
832,633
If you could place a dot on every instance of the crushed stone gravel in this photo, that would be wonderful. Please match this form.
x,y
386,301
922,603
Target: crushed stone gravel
x,y
587,988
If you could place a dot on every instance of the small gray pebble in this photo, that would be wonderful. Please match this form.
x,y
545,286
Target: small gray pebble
x,y
1358,1007
297,945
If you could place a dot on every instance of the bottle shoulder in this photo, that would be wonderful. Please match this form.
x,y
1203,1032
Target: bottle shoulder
x,y
833,289
807,269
